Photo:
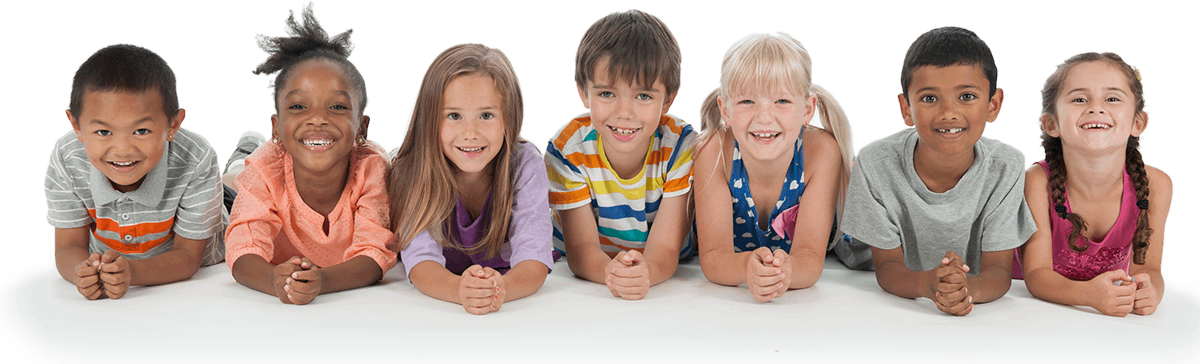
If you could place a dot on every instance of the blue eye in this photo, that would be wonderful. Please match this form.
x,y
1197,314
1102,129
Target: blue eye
x,y
487,116
103,132
644,97
142,131
783,101
605,94
967,97
928,98
746,102
453,116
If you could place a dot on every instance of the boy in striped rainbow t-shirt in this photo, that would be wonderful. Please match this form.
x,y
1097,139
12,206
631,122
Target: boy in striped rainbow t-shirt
x,y
620,176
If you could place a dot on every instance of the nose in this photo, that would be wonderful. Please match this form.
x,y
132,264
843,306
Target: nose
x,y
317,118
624,109
949,111
469,130
1096,110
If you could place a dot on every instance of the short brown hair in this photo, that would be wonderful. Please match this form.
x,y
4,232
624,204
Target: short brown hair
x,y
637,46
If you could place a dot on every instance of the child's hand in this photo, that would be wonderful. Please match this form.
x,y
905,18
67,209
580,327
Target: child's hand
x,y
281,275
951,293
114,274
1145,299
630,279
783,260
478,291
764,278
303,285
501,290
88,277
617,261
1113,293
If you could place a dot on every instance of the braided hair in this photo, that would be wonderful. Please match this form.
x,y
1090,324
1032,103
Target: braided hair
x,y
308,41
1133,158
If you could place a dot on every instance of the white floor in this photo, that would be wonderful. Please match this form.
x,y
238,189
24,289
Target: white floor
x,y
845,316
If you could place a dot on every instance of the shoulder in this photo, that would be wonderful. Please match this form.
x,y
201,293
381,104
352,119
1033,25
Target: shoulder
x,y
675,132
190,149
1159,181
887,149
1000,154
69,158
69,146
819,142
369,158
267,160
1036,175
577,133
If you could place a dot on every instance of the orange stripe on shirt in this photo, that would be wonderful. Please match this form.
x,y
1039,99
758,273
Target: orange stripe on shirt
x,y
135,230
586,160
570,197
569,131
667,121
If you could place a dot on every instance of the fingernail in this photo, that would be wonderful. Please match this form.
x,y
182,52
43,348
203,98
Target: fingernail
x,y
294,275
287,287
289,280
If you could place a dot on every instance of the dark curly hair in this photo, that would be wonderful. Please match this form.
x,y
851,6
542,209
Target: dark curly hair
x,y
308,41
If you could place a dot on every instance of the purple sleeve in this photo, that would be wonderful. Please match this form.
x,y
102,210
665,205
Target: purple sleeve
x,y
422,248
529,232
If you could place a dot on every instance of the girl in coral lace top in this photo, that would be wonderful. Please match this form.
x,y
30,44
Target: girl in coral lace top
x,y
311,214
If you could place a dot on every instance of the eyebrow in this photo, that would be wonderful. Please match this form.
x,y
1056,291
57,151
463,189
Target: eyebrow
x,y
290,93
1117,89
960,87
136,123
453,108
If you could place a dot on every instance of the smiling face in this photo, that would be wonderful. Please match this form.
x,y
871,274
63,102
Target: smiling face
x,y
319,117
625,115
1095,109
124,133
949,107
766,124
472,130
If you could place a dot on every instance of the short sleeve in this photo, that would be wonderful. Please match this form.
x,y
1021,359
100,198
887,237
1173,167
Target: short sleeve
x,y
865,218
372,237
1009,224
254,220
65,209
568,185
530,230
678,179
421,248
198,216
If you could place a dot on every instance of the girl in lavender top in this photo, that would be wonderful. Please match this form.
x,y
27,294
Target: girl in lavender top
x,y
469,196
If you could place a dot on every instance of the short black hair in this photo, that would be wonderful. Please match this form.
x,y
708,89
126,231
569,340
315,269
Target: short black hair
x,y
948,46
125,68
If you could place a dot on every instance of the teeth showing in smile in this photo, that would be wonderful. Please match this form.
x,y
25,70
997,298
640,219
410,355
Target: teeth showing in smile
x,y
623,131
951,130
765,135
1090,126
317,142
122,164
471,150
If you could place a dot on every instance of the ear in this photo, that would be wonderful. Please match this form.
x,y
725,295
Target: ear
x,y
1139,124
175,123
274,127
670,100
810,104
905,110
75,125
363,123
583,96
994,105
1050,125
724,110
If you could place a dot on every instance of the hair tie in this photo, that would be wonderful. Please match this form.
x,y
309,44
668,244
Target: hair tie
x,y
1143,204
1137,73
1061,210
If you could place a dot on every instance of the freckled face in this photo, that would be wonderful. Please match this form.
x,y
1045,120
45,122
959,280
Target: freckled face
x,y
625,115
472,130
124,134
766,124
1095,109
949,107
319,117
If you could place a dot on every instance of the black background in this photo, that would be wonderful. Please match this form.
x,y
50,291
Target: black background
x,y
857,57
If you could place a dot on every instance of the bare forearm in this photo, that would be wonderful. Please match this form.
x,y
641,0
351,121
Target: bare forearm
x,y
435,281
895,278
360,271
991,283
1048,285
170,266
524,279
67,259
588,263
255,272
725,267
806,268
661,268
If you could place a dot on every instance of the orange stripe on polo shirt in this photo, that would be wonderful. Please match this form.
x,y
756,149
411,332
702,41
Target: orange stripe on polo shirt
x,y
135,230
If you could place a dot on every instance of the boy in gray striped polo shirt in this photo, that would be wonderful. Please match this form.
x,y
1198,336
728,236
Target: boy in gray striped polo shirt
x,y
134,199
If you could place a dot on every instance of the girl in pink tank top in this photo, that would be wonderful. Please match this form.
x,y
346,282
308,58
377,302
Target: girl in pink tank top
x,y
1100,229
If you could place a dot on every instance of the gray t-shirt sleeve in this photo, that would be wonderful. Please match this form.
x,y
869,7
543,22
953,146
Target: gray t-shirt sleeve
x,y
64,208
198,216
864,218
1009,223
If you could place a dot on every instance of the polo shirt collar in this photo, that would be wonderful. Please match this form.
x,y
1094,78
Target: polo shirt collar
x,y
149,193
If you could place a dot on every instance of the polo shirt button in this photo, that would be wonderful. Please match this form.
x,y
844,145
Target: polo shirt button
x,y
128,237
125,217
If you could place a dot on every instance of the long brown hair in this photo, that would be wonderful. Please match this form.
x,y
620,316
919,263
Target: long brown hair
x,y
421,184
1133,158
